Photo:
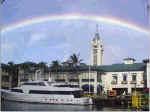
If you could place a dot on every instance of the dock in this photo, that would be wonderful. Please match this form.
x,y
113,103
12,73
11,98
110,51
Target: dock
x,y
132,102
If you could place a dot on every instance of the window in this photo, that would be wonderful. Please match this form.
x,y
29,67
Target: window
x,y
95,60
72,86
95,51
41,84
5,78
78,94
115,78
95,46
124,77
134,77
74,80
60,80
17,90
87,80
50,92
35,84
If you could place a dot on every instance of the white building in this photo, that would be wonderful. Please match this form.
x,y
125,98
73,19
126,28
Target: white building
x,y
121,77
125,77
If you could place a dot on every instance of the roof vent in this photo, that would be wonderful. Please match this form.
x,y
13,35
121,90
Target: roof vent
x,y
129,60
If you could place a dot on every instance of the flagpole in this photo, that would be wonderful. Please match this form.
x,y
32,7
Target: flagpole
x,y
89,79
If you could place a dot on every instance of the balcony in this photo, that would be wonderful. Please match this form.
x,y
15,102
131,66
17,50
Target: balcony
x,y
113,82
133,82
124,82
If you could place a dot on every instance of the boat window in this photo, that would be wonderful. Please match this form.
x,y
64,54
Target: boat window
x,y
41,84
72,86
78,94
17,90
49,83
50,92
60,80
87,80
35,84
62,85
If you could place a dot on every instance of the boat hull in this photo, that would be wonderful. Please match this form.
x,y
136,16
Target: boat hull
x,y
44,98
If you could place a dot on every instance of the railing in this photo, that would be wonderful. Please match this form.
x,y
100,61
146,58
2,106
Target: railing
x,y
113,82
133,82
124,82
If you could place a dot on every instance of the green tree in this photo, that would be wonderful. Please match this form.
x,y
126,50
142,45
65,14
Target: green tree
x,y
28,66
55,65
74,60
13,72
42,65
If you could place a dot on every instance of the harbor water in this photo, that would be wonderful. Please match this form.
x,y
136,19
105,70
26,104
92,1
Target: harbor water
x,y
21,106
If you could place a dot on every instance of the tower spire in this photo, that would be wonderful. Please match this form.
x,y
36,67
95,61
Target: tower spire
x,y
96,49
96,28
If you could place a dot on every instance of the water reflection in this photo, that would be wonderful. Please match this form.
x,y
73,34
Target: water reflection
x,y
20,106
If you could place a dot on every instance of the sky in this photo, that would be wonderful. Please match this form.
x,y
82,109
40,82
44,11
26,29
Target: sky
x,y
65,33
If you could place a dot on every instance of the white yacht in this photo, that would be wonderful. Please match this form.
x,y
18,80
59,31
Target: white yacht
x,y
46,92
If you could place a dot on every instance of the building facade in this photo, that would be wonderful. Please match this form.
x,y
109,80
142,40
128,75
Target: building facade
x,y
124,77
6,81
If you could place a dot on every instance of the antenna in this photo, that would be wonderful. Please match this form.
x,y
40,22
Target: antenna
x,y
97,28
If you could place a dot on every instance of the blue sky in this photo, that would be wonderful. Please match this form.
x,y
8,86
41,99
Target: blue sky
x,y
58,39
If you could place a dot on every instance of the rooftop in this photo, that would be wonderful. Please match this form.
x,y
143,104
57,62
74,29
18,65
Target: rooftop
x,y
104,68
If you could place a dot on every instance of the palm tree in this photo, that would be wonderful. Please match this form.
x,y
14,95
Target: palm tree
x,y
44,67
74,59
55,65
74,62
42,64
13,71
27,67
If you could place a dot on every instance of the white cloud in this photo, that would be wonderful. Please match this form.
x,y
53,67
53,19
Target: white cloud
x,y
37,37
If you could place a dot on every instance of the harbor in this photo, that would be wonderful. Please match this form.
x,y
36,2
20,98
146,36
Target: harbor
x,y
136,102
133,102
20,106
61,55
99,104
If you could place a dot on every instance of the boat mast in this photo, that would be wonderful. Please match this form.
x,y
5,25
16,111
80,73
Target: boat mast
x,y
148,11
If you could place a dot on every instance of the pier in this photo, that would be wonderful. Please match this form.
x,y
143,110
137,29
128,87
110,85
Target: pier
x,y
134,102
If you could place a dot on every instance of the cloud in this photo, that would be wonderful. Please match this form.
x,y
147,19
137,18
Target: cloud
x,y
36,38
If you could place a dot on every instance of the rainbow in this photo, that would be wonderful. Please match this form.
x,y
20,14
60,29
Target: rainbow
x,y
72,17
